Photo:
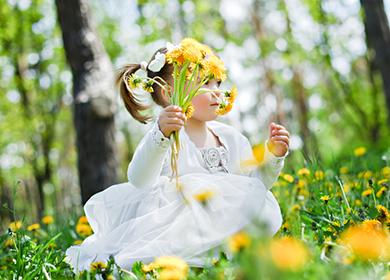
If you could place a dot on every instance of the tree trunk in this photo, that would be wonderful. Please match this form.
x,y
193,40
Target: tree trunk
x,y
94,98
377,31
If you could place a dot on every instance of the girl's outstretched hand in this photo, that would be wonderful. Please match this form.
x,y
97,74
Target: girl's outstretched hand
x,y
279,139
171,119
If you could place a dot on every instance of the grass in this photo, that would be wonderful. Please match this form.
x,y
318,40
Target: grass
x,y
322,209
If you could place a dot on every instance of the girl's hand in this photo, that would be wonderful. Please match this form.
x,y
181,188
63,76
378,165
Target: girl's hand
x,y
279,139
171,119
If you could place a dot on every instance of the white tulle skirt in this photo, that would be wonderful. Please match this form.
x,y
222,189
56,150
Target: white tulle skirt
x,y
139,224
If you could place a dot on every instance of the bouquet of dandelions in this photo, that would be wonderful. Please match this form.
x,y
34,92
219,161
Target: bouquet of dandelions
x,y
194,65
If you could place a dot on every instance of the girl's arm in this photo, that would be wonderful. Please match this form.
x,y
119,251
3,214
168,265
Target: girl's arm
x,y
269,171
148,159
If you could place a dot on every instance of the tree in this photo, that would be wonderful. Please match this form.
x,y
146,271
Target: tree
x,y
378,39
94,98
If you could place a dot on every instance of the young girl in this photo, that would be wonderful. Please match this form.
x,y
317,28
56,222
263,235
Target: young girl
x,y
148,217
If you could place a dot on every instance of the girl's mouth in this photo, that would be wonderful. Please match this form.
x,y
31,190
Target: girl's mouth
x,y
214,104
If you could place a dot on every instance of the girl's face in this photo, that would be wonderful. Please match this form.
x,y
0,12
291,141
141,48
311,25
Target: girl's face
x,y
206,103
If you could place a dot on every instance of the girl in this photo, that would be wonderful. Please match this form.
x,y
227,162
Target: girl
x,y
148,217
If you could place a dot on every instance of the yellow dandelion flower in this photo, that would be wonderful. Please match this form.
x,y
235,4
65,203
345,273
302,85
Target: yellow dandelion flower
x,y
358,202
295,207
47,220
134,81
359,151
289,178
215,67
82,220
171,263
231,94
98,266
382,182
239,241
175,56
319,175
258,152
367,192
384,215
192,50
372,224
83,229
204,196
33,227
386,171
288,253
171,274
325,198
9,243
189,111
304,172
148,86
224,109
381,191
15,225
366,242
77,242
344,170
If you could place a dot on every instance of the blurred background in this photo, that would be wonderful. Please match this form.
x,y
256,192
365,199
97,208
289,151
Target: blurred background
x,y
321,68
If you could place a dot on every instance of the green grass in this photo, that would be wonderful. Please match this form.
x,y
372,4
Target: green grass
x,y
318,204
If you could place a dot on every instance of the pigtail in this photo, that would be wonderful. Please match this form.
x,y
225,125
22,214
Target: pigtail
x,y
132,104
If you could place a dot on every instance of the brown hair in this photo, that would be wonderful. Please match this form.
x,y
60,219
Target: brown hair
x,y
132,104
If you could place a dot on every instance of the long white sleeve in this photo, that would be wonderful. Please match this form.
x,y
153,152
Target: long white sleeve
x,y
269,171
148,159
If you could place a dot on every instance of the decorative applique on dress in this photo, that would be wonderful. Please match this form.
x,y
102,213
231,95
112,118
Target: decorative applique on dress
x,y
215,158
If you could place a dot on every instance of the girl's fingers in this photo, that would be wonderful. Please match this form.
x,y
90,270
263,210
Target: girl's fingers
x,y
282,138
173,108
282,143
280,132
175,121
176,115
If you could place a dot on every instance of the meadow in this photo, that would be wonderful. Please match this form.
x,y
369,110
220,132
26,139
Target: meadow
x,y
336,226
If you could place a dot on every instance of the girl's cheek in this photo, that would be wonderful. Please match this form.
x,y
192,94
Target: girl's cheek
x,y
201,101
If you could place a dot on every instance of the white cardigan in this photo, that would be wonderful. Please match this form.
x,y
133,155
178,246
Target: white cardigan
x,y
152,156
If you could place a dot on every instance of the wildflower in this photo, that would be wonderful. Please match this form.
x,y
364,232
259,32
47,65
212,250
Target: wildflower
x,y
372,224
224,108
189,111
83,229
366,242
319,175
359,151
204,196
381,191
384,215
33,227
15,225
134,81
83,220
325,199
9,243
215,67
148,85
358,202
386,171
259,152
344,170
367,192
239,241
171,267
304,172
295,207
231,94
382,182
288,253
98,266
289,178
47,220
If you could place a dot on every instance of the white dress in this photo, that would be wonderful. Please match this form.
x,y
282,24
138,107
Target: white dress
x,y
147,217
